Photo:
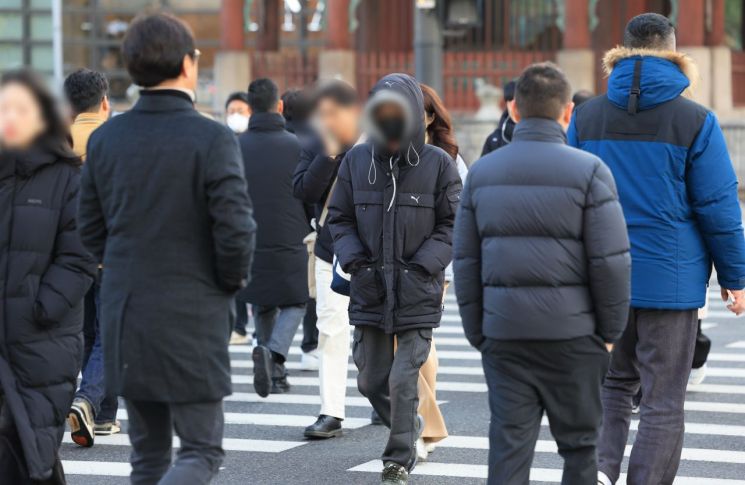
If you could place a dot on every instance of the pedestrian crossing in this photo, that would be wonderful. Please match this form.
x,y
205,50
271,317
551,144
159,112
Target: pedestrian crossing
x,y
263,436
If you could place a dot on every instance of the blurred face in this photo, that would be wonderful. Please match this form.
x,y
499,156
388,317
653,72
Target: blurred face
x,y
339,121
238,107
21,119
391,121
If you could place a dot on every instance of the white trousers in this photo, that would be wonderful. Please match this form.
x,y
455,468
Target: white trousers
x,y
333,342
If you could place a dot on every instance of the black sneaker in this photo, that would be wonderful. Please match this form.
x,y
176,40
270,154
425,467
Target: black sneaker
x,y
263,363
324,427
280,385
394,474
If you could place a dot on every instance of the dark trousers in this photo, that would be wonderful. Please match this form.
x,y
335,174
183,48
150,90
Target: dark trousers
x,y
199,427
92,385
654,352
527,378
389,381
310,331
241,317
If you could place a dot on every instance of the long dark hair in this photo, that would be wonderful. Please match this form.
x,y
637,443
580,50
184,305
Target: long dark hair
x,y
56,138
440,131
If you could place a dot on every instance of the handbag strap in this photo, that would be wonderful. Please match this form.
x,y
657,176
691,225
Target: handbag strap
x,y
325,211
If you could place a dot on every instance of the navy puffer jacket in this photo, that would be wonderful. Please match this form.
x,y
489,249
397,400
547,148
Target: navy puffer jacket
x,y
45,275
391,217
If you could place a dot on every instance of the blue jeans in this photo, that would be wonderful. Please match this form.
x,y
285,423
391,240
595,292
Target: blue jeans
x,y
92,386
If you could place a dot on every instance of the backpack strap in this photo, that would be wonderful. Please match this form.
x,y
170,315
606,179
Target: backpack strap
x,y
635,90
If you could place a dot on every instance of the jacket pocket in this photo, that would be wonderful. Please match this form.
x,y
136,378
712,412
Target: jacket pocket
x,y
415,220
368,209
358,349
422,346
419,293
366,289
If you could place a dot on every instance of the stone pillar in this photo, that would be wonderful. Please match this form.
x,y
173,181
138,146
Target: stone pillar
x,y
721,59
337,59
269,26
576,57
232,63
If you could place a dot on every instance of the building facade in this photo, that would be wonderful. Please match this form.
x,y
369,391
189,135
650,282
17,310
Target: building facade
x,y
299,41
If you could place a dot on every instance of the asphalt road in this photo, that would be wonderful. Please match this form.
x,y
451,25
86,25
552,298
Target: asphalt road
x,y
265,445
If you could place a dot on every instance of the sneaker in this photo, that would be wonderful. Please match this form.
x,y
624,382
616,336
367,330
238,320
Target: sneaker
x,y
263,363
430,447
394,474
421,450
603,479
324,427
80,420
309,361
238,339
697,376
108,428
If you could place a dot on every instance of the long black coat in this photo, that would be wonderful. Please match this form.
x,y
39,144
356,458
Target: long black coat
x,y
45,275
279,275
164,206
394,236
541,249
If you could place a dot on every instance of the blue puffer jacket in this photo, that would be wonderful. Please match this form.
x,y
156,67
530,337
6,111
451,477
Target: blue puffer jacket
x,y
675,178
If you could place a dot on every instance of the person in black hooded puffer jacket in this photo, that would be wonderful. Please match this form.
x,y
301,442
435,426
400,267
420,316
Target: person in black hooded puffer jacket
x,y
44,275
391,216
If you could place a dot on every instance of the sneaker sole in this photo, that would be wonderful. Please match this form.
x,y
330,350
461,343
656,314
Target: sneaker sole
x,y
262,359
79,432
107,432
323,434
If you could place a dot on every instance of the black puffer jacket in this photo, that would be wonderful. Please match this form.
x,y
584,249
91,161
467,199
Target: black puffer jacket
x,y
541,249
391,216
45,275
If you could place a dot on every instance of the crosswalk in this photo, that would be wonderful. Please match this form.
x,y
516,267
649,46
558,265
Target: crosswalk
x,y
263,436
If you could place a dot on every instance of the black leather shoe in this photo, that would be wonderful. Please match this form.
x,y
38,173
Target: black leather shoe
x,y
280,385
375,419
324,427
263,364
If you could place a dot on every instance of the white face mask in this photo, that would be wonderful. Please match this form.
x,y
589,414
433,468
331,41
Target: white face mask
x,y
237,122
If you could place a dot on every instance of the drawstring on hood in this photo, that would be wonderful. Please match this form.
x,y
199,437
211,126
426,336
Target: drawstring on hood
x,y
404,91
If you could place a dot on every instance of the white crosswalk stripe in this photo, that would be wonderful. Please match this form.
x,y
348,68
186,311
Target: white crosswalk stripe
x,y
714,409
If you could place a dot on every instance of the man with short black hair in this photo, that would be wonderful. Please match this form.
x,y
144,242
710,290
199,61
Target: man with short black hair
x,y
338,110
502,135
582,96
93,412
164,207
279,278
86,92
679,194
542,267
237,113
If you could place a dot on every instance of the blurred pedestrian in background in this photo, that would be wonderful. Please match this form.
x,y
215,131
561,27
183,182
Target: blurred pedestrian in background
x,y
164,207
46,273
297,108
237,112
502,135
94,409
581,96
278,290
657,141
391,215
542,297
337,113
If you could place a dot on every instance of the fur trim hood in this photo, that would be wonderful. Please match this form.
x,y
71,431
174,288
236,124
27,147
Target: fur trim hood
x,y
684,62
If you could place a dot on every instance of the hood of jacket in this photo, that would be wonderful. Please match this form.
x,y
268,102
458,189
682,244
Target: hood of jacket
x,y
664,75
403,90
27,162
